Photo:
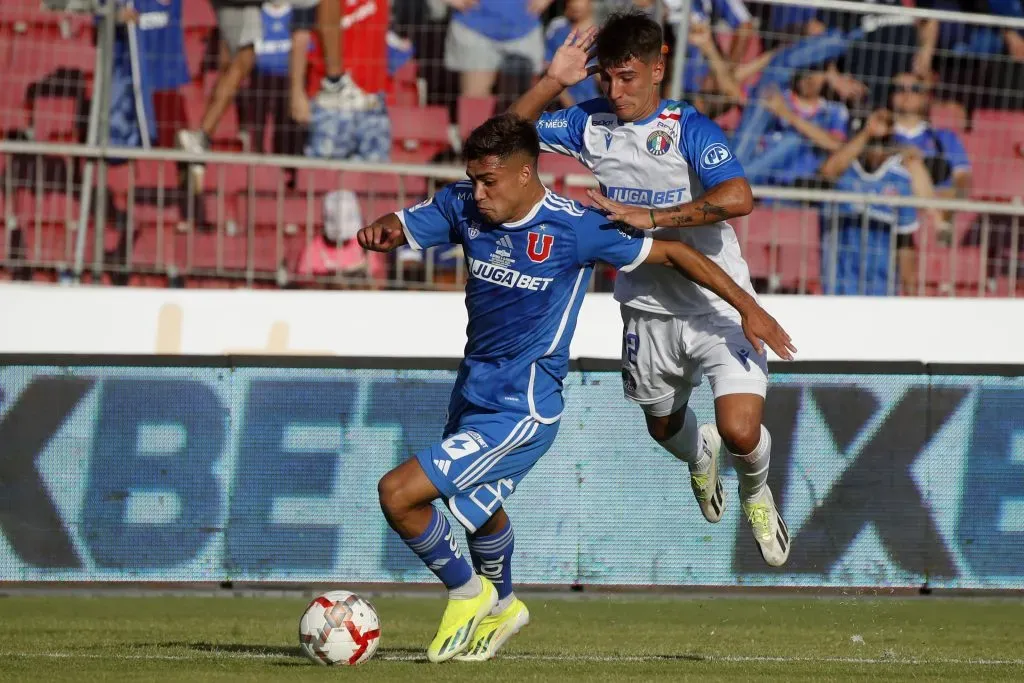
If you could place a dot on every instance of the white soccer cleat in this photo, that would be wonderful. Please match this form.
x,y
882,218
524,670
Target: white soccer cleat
x,y
345,95
769,529
707,487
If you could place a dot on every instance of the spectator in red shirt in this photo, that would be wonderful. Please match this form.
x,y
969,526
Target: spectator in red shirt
x,y
362,132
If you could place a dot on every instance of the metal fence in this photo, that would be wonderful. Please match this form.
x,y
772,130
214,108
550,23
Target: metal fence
x,y
79,205
258,216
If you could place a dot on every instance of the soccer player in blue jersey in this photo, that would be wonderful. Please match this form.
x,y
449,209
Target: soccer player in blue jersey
x,y
530,254
664,166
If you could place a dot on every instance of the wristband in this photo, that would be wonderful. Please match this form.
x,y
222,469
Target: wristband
x,y
653,224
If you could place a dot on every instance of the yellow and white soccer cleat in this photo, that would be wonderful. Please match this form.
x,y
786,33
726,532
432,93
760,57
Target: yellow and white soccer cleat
x,y
496,630
769,529
707,487
460,621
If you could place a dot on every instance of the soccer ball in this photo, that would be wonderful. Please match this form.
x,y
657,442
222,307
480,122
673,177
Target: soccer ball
x,y
339,628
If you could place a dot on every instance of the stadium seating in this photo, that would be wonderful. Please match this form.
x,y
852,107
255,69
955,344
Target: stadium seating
x,y
418,132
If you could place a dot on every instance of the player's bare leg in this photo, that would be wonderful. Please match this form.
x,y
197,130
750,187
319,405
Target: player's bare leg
x,y
697,446
739,417
406,497
491,548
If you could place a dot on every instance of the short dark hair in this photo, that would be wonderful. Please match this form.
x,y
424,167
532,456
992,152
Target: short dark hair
x,y
626,35
502,136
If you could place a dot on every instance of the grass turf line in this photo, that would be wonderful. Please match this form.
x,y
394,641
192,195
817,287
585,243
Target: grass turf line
x,y
198,639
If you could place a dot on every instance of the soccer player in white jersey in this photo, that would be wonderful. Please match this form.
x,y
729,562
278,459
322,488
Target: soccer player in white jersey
x,y
664,166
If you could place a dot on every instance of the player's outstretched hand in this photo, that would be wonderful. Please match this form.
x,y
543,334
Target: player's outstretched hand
x,y
635,216
569,64
378,237
761,328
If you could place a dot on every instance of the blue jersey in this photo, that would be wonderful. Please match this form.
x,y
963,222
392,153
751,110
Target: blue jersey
x,y
891,179
526,283
499,19
556,34
273,49
861,250
804,162
162,44
936,142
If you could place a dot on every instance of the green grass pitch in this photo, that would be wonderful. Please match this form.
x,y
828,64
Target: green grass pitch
x,y
596,637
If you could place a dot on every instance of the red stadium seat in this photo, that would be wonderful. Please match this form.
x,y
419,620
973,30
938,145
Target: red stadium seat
x,y
198,14
561,165
952,116
54,119
792,237
472,111
958,269
418,132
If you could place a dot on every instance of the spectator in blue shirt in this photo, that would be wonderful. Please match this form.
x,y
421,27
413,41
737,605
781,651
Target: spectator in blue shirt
x,y
869,250
807,127
488,37
968,55
160,69
943,151
578,16
267,94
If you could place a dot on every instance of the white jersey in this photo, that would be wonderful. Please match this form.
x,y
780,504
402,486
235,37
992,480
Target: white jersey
x,y
664,160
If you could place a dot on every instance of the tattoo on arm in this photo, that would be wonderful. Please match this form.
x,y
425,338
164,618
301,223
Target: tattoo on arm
x,y
709,213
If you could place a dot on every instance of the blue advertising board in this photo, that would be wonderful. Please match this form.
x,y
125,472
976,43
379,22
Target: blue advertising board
x,y
136,473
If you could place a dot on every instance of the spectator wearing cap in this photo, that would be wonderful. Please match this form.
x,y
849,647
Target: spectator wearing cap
x,y
334,251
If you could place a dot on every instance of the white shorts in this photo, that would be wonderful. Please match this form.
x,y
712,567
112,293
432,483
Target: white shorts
x,y
241,26
664,357
467,50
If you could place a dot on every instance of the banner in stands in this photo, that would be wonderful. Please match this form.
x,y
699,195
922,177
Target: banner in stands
x,y
248,474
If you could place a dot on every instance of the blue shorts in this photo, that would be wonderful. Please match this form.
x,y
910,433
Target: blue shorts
x,y
483,457
355,135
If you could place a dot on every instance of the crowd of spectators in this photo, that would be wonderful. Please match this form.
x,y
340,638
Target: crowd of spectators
x,y
813,98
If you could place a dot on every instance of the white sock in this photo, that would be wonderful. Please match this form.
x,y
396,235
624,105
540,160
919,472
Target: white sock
x,y
684,445
752,469
503,603
470,589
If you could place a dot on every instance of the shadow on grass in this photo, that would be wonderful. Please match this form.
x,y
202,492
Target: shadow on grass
x,y
294,656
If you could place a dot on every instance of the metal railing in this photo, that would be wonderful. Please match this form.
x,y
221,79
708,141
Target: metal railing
x,y
257,214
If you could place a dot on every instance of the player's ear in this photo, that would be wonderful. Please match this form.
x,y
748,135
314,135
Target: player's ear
x,y
526,173
658,69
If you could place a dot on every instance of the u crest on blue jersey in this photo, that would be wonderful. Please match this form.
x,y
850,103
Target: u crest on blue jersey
x,y
659,142
539,246
715,155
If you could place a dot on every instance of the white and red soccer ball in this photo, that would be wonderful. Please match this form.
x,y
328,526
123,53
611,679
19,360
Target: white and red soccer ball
x,y
339,628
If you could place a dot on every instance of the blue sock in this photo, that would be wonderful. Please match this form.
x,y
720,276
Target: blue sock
x,y
492,557
439,550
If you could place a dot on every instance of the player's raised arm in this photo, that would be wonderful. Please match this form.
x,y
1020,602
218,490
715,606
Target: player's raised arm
x,y
728,199
758,325
568,67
